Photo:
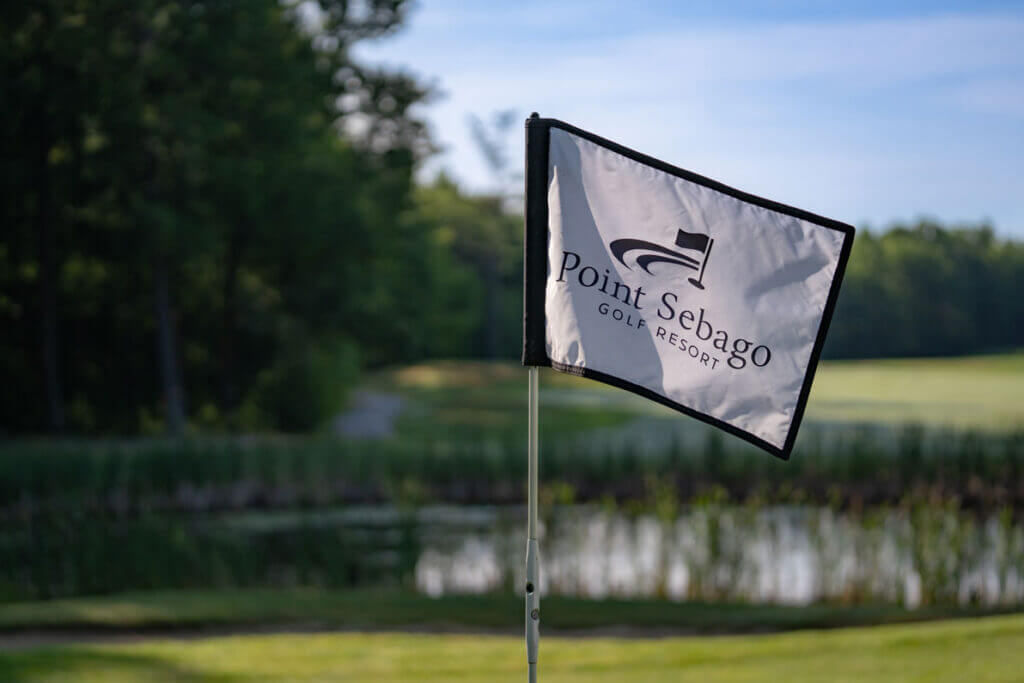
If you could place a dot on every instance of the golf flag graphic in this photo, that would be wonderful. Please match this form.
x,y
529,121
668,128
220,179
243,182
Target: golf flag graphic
x,y
650,278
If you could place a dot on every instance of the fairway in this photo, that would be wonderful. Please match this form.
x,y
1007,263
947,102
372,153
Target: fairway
x,y
975,391
979,650
979,392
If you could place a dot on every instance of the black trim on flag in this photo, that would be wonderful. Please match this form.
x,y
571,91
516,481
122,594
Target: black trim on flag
x,y
538,135
535,246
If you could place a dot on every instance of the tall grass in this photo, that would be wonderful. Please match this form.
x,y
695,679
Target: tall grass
x,y
53,555
849,465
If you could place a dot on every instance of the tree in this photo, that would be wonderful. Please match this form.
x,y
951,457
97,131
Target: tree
x,y
926,290
488,241
191,181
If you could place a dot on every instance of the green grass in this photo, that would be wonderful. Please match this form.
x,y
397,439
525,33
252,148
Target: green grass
x,y
488,399
971,392
977,391
979,650
367,608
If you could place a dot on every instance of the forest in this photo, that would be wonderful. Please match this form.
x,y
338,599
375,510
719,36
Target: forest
x,y
223,235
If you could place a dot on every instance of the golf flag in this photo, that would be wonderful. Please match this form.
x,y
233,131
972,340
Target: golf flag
x,y
673,286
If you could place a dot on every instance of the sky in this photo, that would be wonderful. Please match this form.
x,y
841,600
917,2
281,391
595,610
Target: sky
x,y
867,113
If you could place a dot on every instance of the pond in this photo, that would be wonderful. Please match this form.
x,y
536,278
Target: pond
x,y
765,554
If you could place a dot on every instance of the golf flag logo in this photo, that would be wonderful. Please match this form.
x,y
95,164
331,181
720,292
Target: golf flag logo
x,y
659,254
673,286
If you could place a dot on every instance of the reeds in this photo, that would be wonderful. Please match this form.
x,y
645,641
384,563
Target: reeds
x,y
850,466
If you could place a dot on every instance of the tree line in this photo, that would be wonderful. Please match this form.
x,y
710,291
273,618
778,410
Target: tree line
x,y
211,222
922,289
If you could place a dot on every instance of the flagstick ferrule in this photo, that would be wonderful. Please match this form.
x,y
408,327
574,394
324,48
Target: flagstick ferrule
x,y
532,601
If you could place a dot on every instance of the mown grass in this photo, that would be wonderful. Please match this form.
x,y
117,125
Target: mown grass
x,y
979,392
374,609
969,392
980,650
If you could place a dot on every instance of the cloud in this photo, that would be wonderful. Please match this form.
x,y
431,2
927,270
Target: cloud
x,y
830,115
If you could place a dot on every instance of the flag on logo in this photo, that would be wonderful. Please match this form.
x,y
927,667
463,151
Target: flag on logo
x,y
673,286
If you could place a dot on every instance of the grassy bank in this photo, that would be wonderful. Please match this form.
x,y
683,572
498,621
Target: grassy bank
x,y
982,650
375,609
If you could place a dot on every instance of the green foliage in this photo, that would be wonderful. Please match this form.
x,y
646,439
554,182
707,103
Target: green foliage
x,y
486,243
210,217
303,385
184,212
925,290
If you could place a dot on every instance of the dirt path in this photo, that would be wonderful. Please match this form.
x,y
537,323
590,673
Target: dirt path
x,y
372,415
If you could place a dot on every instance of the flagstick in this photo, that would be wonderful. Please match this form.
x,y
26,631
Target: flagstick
x,y
532,556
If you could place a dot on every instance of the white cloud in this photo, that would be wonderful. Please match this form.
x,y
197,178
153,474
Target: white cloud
x,y
866,120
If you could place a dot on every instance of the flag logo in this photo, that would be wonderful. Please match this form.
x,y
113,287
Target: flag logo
x,y
655,253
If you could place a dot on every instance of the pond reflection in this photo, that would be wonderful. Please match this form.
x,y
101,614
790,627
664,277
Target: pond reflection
x,y
778,554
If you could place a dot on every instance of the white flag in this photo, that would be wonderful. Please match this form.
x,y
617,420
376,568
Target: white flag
x,y
683,290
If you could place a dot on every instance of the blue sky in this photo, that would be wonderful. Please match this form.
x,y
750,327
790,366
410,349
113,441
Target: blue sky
x,y
867,113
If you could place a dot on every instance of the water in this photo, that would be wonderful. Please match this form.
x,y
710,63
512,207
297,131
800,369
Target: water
x,y
768,554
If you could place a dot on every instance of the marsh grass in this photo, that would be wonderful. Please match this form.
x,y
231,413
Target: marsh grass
x,y
848,465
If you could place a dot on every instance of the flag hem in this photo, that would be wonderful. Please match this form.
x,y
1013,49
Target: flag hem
x,y
535,244
640,390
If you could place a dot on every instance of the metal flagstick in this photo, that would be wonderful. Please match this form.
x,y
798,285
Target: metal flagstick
x,y
534,352
532,555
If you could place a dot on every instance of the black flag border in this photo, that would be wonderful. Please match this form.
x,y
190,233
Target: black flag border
x,y
535,261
